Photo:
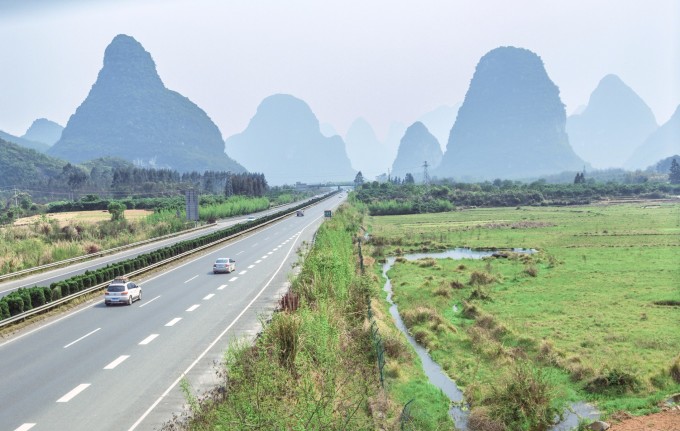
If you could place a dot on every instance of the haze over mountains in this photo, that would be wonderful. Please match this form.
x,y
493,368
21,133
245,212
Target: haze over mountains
x,y
283,140
364,149
664,142
45,131
129,113
511,124
614,123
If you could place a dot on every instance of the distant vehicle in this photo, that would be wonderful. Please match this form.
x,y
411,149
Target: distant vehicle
x,y
224,264
122,291
251,218
299,213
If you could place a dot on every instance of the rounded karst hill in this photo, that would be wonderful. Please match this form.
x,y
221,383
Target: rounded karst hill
x,y
511,124
130,114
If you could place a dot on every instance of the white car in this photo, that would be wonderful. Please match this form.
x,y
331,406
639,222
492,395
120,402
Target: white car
x,y
224,264
122,291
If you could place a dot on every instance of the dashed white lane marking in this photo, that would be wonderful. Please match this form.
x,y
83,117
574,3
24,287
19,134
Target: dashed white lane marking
x,y
264,257
233,279
81,338
251,266
270,252
255,245
222,287
258,261
173,321
149,301
78,389
208,296
211,345
191,278
239,253
116,362
193,307
274,249
242,272
148,339
25,427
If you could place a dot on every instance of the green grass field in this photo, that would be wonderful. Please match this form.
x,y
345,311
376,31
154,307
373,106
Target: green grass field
x,y
586,307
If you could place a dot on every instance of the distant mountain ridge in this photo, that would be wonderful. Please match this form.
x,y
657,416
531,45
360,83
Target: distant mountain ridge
x,y
663,143
511,124
283,140
365,150
34,145
614,123
130,114
21,166
45,131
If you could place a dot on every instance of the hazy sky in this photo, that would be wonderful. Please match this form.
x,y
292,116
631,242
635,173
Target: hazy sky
x,y
384,60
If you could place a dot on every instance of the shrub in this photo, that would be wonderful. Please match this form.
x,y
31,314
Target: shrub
x,y
675,370
15,304
37,296
478,278
524,399
613,380
285,330
531,270
4,310
56,293
91,248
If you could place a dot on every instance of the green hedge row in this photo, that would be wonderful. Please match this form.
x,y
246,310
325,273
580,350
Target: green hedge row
x,y
25,299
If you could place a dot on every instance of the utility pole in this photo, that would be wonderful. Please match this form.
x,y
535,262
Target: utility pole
x,y
426,176
16,197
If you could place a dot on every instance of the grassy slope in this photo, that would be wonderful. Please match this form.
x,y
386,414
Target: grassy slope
x,y
599,272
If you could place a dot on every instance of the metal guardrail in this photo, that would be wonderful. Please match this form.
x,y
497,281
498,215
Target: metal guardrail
x,y
97,254
40,309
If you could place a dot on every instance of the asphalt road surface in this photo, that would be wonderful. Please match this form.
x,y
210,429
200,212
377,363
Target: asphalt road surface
x,y
48,277
120,367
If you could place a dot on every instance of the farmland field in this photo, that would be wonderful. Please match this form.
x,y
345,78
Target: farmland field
x,y
598,306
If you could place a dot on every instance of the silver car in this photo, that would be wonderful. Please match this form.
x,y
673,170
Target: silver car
x,y
224,264
122,291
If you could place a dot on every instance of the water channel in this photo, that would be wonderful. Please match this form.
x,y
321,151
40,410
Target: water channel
x,y
458,411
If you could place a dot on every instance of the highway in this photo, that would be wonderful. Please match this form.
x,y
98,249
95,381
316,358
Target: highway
x,y
120,367
48,277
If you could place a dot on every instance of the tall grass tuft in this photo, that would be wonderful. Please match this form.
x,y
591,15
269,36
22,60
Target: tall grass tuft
x,y
524,399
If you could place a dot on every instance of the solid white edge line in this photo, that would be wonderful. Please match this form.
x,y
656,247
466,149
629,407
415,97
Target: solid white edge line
x,y
173,321
190,279
149,301
81,338
119,360
25,427
193,307
78,389
148,339
216,340
208,296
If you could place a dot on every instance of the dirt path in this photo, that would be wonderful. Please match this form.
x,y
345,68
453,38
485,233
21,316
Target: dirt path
x,y
668,420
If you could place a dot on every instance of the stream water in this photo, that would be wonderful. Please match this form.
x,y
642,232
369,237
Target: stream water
x,y
437,376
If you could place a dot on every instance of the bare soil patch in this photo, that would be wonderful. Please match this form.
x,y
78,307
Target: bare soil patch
x,y
668,420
